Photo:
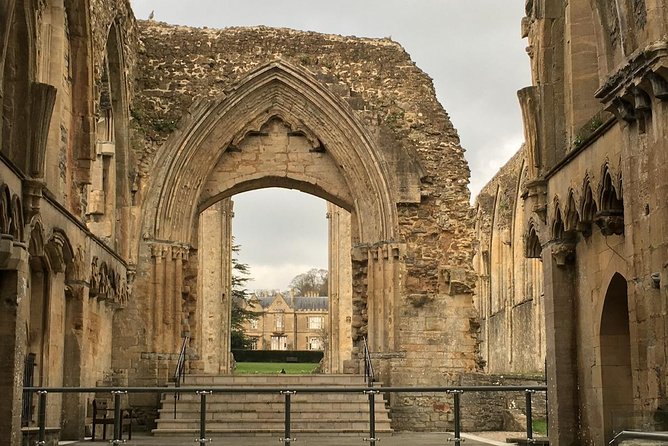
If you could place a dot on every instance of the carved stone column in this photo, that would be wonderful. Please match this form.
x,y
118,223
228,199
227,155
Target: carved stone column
x,y
383,289
158,253
214,283
560,326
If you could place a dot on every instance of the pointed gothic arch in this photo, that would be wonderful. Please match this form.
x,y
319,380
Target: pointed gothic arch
x,y
276,89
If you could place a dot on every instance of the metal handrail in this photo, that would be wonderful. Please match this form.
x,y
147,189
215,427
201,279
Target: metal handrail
x,y
180,371
455,391
639,435
368,365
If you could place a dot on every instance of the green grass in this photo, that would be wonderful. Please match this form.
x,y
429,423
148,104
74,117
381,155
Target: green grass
x,y
250,368
539,426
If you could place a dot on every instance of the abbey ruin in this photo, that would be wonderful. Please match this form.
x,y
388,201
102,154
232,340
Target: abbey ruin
x,y
123,142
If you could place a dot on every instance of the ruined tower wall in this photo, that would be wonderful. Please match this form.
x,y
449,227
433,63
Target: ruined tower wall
x,y
508,294
415,281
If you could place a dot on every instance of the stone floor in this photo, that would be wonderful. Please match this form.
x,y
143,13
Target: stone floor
x,y
398,439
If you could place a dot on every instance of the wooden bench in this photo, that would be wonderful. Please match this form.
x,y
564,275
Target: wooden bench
x,y
103,413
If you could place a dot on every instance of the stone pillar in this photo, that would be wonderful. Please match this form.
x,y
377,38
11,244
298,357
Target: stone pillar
x,y
560,327
383,276
339,339
74,404
179,255
214,282
158,259
13,292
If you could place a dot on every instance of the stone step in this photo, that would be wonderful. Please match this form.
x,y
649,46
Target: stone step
x,y
322,423
269,397
258,432
250,413
274,380
241,407
265,414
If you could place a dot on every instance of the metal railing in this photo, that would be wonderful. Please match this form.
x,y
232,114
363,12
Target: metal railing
x,y
368,365
638,435
180,371
287,393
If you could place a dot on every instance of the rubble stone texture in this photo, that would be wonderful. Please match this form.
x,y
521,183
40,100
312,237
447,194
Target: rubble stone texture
x,y
122,145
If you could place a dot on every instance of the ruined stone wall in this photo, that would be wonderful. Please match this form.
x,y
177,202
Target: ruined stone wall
x,y
595,123
424,267
508,293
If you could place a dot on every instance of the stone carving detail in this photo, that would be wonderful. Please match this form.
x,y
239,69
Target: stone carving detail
x,y
11,214
563,252
529,102
106,284
629,91
610,222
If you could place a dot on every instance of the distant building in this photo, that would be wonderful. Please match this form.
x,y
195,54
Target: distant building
x,y
288,322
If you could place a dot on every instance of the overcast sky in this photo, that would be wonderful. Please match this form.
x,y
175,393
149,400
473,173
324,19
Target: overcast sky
x,y
471,48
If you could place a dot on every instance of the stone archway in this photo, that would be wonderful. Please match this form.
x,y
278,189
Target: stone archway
x,y
615,363
280,128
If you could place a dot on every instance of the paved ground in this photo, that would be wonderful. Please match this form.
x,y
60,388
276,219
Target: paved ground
x,y
398,439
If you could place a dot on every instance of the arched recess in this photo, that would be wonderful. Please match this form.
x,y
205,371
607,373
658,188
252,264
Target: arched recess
x,y
82,130
276,89
203,163
18,74
610,218
615,358
527,314
109,191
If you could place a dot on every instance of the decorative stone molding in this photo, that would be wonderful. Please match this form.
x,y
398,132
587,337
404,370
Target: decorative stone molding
x,y
107,285
631,88
536,194
32,196
563,252
42,101
530,105
610,222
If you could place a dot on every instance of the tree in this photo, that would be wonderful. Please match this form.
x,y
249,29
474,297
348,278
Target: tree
x,y
314,280
240,303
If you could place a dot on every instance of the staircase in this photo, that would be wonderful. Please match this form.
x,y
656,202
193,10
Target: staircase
x,y
254,414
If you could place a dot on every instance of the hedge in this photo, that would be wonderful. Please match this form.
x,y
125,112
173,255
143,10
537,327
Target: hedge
x,y
308,356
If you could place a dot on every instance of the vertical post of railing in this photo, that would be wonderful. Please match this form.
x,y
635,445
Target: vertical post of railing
x,y
456,394
202,416
41,420
118,417
372,416
287,439
528,394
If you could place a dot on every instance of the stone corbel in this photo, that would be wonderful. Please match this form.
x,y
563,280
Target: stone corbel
x,y
610,222
12,253
641,100
536,194
529,99
32,196
42,101
623,110
563,252
659,85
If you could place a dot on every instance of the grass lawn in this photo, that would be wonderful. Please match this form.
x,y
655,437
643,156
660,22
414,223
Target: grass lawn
x,y
250,368
540,426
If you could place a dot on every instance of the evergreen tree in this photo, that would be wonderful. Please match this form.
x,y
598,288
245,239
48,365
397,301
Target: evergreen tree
x,y
239,340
